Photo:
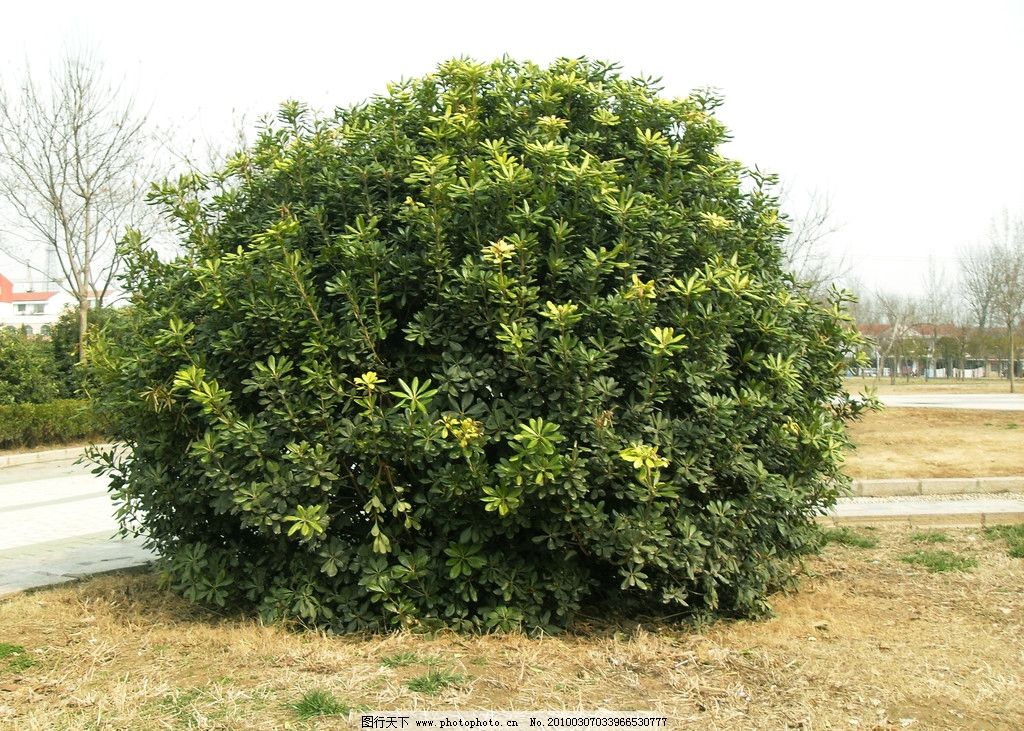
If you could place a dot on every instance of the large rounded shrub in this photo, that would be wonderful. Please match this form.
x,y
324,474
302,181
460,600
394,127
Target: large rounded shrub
x,y
500,342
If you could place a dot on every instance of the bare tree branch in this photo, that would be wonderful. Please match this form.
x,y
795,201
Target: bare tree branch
x,y
899,312
806,251
1006,250
72,172
934,309
978,278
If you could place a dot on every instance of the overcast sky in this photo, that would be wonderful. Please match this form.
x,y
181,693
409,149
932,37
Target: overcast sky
x,y
908,115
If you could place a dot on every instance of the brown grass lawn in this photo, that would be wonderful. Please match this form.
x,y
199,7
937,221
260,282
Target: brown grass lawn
x,y
45,447
932,385
868,642
899,442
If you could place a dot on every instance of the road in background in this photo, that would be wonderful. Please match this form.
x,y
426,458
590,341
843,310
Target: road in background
x,y
978,401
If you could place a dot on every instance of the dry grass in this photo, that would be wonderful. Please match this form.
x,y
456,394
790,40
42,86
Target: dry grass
x,y
869,642
47,447
897,442
932,385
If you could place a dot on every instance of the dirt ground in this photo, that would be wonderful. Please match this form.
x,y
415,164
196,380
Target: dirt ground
x,y
932,385
44,448
868,642
897,442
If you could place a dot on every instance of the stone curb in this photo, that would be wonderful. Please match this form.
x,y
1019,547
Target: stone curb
x,y
928,520
937,486
48,455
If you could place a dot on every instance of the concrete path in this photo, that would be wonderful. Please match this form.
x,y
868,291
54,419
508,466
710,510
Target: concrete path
x,y
966,511
56,525
982,401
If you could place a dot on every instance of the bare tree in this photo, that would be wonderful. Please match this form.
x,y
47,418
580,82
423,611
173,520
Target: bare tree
x,y
865,309
978,277
200,153
962,320
934,309
899,313
1006,250
978,283
806,247
72,170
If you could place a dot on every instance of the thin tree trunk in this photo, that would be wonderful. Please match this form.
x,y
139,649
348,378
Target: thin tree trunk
x,y
83,290
1012,363
83,324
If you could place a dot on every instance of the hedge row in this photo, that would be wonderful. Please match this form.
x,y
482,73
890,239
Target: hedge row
x,y
56,422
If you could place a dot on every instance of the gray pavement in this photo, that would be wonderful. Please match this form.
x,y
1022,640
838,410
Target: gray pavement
x,y
981,401
57,524
955,511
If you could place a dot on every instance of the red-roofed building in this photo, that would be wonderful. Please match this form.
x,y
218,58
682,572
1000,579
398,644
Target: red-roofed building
x,y
31,312
936,350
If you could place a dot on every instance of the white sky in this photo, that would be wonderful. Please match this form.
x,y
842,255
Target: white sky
x,y
909,115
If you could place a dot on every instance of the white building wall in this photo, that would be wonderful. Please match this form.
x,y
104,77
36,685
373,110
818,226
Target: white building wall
x,y
10,316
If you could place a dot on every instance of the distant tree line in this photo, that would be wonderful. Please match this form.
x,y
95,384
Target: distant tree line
x,y
969,318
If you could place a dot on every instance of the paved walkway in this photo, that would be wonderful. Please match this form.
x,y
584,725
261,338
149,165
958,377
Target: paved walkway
x,y
982,401
966,511
56,525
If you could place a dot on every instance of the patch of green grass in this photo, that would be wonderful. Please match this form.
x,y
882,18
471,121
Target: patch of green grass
x,y
318,703
7,650
1006,532
939,561
929,536
400,660
202,706
434,682
16,656
1012,534
178,703
847,537
404,659
20,663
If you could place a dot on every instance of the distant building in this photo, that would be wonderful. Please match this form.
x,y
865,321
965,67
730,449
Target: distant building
x,y
31,312
939,350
